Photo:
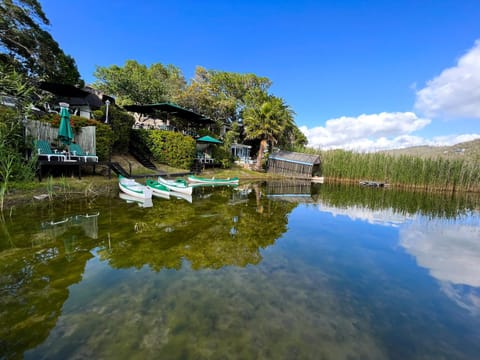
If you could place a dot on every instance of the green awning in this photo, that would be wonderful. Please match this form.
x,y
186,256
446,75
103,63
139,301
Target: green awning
x,y
209,139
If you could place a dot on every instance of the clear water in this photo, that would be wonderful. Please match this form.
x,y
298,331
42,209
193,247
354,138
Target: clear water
x,y
264,271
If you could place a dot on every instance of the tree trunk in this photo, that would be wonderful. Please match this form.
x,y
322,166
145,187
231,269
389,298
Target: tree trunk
x,y
263,144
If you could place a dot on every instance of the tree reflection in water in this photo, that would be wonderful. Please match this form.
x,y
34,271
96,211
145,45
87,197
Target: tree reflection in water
x,y
218,229
222,227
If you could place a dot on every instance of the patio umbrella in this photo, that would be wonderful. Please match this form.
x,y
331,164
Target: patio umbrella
x,y
65,133
208,140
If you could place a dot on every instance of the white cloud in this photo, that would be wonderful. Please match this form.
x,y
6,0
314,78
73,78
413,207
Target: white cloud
x,y
376,132
456,91
367,132
451,252
384,217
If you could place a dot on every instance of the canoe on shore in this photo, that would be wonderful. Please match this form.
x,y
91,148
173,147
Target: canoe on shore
x,y
133,188
178,185
213,181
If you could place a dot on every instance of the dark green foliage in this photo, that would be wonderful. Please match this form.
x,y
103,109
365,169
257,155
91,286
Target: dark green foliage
x,y
12,148
105,136
221,95
135,83
29,48
171,148
12,142
222,155
121,123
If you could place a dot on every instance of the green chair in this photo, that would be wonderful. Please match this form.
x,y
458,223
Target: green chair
x,y
76,151
44,150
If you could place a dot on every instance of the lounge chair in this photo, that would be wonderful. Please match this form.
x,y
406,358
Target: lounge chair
x,y
76,151
44,150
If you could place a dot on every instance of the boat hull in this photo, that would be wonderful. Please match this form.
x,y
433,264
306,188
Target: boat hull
x,y
212,181
158,189
176,186
132,188
145,203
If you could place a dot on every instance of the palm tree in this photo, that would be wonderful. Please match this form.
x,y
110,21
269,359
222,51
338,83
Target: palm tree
x,y
266,123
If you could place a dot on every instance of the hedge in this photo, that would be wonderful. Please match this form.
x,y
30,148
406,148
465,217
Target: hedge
x,y
171,148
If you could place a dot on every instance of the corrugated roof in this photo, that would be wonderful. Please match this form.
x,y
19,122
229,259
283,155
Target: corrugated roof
x,y
295,157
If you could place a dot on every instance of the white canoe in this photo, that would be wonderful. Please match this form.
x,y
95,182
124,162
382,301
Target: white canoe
x,y
212,181
133,188
178,185
158,189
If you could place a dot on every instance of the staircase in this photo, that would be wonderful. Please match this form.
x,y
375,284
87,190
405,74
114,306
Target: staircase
x,y
118,169
142,158
140,152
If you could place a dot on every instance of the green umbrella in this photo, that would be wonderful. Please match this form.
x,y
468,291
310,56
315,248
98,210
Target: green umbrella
x,y
65,133
209,139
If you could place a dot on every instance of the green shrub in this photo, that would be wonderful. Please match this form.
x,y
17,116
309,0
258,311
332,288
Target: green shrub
x,y
167,147
121,123
105,136
222,155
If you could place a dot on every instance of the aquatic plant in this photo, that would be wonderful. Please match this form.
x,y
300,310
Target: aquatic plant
x,y
405,171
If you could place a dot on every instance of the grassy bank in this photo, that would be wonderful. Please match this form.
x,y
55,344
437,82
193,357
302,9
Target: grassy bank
x,y
91,186
406,172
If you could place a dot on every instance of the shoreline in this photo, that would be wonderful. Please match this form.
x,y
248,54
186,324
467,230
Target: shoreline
x,y
91,186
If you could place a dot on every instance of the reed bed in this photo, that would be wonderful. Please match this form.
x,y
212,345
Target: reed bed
x,y
431,174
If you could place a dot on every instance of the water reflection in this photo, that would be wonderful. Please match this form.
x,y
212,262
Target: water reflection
x,y
296,192
144,203
210,233
451,253
261,271
450,250
53,229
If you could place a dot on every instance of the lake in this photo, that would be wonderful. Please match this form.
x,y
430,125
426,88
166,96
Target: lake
x,y
272,270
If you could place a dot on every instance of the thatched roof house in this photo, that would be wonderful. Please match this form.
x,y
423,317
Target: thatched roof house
x,y
292,164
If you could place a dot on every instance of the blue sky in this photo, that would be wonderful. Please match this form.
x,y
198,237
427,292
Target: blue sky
x,y
361,75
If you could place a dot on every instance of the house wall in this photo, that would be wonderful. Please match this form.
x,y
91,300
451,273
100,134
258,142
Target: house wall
x,y
241,151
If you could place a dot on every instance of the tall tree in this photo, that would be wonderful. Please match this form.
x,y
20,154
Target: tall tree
x,y
135,83
220,95
29,48
266,123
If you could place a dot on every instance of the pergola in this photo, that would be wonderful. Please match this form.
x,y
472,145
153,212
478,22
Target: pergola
x,y
171,110
83,101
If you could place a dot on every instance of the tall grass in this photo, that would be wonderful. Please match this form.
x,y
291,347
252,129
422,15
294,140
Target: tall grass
x,y
405,171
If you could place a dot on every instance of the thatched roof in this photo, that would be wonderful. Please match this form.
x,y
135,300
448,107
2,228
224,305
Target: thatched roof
x,y
294,157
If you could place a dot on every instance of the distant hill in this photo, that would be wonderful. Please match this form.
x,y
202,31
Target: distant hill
x,y
469,150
